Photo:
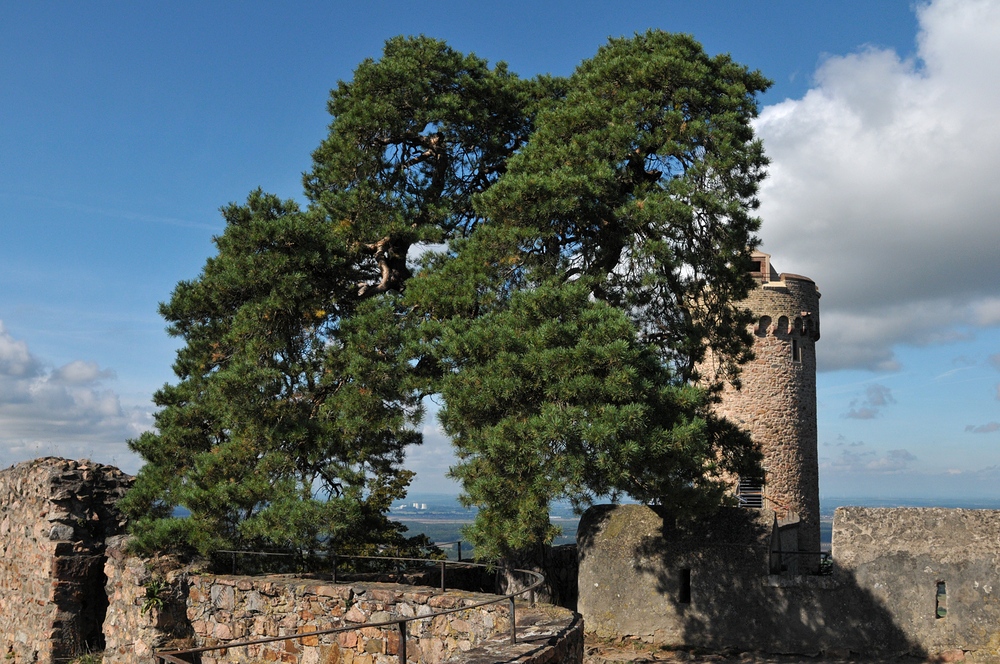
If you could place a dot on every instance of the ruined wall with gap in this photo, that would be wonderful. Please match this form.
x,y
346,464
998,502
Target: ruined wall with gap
x,y
147,604
55,515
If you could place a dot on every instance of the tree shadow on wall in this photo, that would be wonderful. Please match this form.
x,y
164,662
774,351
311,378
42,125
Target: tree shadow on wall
x,y
707,584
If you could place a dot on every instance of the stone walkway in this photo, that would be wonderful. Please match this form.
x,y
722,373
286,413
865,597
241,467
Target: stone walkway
x,y
598,651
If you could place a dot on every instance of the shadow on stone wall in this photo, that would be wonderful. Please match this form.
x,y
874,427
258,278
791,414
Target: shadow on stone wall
x,y
707,584
558,564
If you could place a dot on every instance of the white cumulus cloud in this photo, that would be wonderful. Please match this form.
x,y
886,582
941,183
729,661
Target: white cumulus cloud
x,y
65,412
882,188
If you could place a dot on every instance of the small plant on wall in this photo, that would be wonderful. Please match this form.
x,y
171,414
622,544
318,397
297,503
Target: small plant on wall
x,y
89,658
154,595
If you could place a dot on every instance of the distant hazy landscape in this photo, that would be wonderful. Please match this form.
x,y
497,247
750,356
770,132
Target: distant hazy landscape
x,y
441,517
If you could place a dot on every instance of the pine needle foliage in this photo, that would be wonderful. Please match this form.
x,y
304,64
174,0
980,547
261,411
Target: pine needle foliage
x,y
582,241
288,422
572,326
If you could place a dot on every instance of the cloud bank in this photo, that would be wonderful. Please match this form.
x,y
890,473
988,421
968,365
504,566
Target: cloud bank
x,y
864,461
882,188
65,411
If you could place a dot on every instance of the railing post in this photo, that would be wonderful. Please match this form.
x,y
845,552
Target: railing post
x,y
442,575
402,642
513,622
234,563
459,550
334,556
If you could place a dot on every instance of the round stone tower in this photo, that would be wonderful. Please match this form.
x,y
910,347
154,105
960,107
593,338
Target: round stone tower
x,y
777,402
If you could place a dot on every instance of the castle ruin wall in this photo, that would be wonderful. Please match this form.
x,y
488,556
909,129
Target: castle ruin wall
x,y
935,571
704,584
198,609
55,515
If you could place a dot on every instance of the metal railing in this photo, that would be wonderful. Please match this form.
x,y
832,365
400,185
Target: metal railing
x,y
825,567
174,656
457,543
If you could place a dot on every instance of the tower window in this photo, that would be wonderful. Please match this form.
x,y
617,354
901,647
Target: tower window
x,y
796,351
684,591
763,325
750,494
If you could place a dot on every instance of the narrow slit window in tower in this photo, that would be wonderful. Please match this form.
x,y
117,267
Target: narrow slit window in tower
x,y
796,351
684,592
941,601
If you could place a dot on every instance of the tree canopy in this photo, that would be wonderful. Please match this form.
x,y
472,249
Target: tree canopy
x,y
550,257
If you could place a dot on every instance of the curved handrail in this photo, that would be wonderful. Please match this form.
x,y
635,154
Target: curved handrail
x,y
171,656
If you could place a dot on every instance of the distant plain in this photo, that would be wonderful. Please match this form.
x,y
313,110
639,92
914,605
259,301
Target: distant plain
x,y
443,517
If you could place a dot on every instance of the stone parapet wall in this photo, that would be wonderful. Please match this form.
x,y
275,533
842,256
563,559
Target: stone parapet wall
x,y
706,584
198,609
790,295
906,557
227,608
922,582
54,517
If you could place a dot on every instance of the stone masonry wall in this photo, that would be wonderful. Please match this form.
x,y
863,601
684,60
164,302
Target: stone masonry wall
x,y
777,402
54,517
224,608
923,582
704,584
198,609
935,571
147,605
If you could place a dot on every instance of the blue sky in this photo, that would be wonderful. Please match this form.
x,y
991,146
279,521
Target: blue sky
x,y
125,126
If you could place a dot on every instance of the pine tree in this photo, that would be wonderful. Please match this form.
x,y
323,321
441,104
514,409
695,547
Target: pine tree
x,y
572,325
288,423
298,390
596,235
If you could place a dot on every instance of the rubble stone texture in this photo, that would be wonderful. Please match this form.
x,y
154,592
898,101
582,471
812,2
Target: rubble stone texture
x,y
55,515
137,624
936,571
917,582
200,609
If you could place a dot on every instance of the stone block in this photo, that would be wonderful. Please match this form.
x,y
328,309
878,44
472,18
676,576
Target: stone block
x,y
385,596
348,639
392,641
444,601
